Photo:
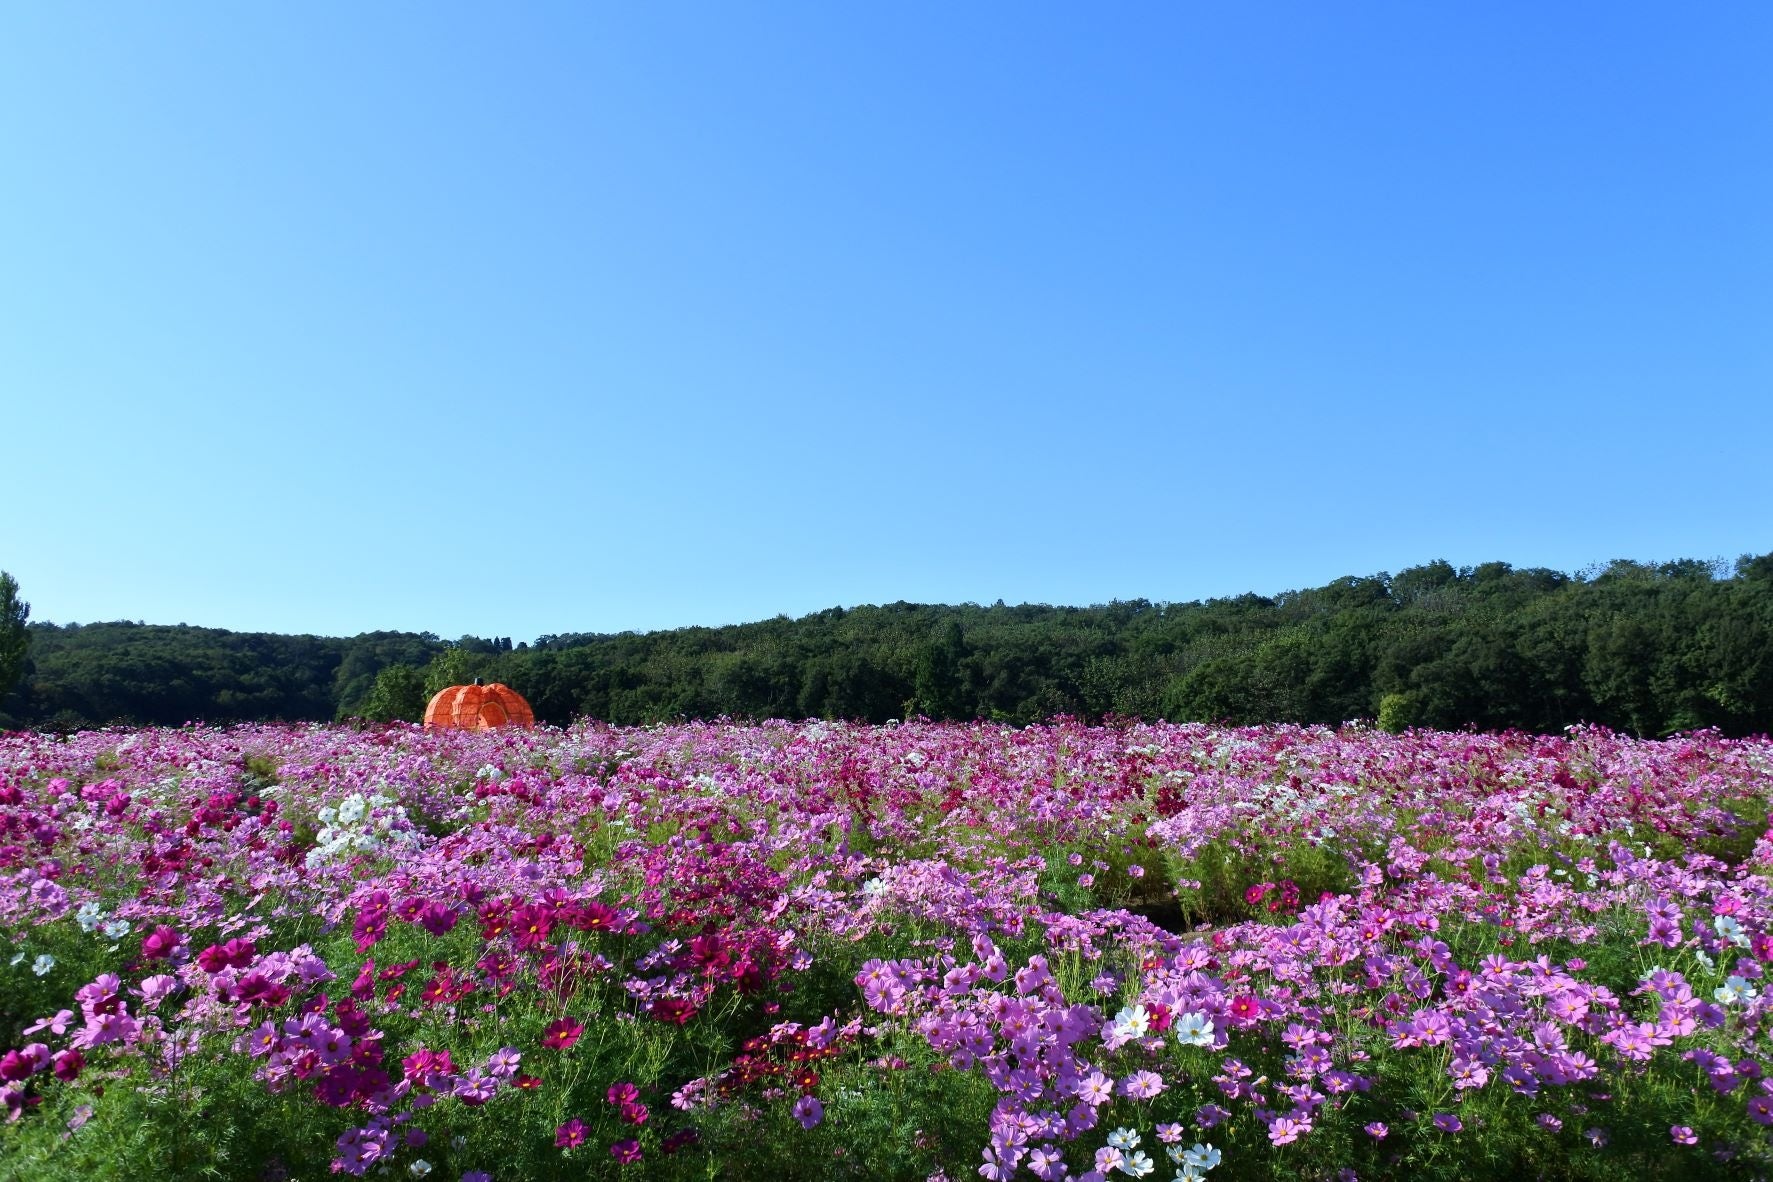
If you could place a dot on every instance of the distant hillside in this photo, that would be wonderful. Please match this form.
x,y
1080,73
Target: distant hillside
x,y
1643,648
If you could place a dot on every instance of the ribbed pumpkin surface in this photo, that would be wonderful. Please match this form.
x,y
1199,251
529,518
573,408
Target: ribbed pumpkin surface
x,y
479,708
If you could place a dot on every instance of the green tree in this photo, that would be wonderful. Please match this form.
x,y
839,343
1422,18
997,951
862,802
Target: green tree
x,y
398,695
452,666
937,691
13,637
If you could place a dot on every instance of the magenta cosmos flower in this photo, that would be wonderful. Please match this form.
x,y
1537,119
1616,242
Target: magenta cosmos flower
x,y
562,1033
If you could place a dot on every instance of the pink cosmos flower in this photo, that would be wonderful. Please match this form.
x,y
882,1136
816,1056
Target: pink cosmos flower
x,y
808,1111
234,954
476,1087
1097,1089
1210,1116
675,1010
160,943
994,1167
572,1134
156,989
1283,1130
55,1025
106,1028
626,1152
263,1040
436,918
367,930
562,1033
1142,1085
1047,1162
1683,1135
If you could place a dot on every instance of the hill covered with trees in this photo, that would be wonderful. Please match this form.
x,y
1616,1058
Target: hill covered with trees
x,y
1645,648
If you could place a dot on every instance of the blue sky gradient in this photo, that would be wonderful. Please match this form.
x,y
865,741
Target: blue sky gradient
x,y
333,318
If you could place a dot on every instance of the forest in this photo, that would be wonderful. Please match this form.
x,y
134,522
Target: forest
x,y
1645,648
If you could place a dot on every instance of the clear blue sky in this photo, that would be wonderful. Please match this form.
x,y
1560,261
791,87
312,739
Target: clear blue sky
x,y
525,319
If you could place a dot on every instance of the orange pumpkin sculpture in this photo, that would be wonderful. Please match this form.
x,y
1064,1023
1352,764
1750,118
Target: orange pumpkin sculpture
x,y
479,707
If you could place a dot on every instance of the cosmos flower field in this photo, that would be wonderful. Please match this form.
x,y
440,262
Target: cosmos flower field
x,y
922,951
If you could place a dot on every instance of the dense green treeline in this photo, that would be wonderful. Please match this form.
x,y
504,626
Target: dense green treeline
x,y
1646,648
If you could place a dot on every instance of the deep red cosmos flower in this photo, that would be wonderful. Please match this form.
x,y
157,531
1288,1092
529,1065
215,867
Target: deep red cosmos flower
x,y
676,1010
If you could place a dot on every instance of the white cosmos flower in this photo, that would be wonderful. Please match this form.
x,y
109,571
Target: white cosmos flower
x,y
1131,1023
1735,989
1202,1157
1730,928
1194,1030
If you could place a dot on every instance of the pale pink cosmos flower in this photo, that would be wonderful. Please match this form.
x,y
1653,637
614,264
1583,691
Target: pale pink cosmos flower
x,y
156,989
1095,1090
1142,1085
55,1025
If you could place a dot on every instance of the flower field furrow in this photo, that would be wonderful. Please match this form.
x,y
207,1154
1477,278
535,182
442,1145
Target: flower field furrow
x,y
918,951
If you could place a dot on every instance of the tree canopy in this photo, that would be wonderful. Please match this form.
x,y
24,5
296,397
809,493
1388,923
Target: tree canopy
x,y
13,637
1639,647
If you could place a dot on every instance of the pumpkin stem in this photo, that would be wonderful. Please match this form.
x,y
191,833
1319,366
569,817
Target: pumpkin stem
x,y
477,681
